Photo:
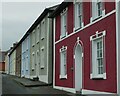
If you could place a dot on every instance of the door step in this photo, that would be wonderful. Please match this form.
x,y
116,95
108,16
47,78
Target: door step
x,y
35,78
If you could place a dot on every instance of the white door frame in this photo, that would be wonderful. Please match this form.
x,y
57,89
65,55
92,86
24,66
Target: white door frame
x,y
78,58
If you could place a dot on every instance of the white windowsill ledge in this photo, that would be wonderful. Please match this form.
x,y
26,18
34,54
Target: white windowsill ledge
x,y
63,76
102,76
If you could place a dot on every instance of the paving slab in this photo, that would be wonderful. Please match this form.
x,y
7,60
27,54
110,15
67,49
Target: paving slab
x,y
29,83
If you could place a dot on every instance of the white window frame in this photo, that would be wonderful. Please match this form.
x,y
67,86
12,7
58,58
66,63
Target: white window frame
x,y
63,23
27,63
43,29
33,61
95,9
33,38
42,61
27,41
78,23
37,34
37,57
94,64
63,62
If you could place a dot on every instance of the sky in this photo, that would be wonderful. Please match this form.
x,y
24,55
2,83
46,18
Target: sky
x,y
17,17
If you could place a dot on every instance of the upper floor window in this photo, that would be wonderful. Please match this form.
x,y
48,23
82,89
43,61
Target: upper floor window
x,y
33,38
37,34
37,57
97,9
43,29
42,61
63,62
63,23
27,42
78,15
33,61
98,60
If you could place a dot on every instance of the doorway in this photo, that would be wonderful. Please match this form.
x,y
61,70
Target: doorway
x,y
78,67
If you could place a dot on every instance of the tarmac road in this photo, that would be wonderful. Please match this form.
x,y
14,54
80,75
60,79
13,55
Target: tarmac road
x,y
9,86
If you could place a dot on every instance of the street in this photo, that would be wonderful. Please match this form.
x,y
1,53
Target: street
x,y
9,86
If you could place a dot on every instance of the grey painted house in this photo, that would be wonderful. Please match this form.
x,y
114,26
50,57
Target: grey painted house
x,y
41,47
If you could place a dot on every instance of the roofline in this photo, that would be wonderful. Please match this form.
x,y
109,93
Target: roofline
x,y
39,19
59,9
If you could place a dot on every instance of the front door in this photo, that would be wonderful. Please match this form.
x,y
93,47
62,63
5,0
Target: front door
x,y
78,67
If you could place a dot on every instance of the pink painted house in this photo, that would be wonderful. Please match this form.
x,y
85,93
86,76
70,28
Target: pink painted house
x,y
86,47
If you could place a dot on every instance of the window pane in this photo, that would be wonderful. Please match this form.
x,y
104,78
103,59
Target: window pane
x,y
64,63
100,53
97,45
99,8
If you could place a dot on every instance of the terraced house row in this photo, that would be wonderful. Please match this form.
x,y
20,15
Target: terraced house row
x,y
74,46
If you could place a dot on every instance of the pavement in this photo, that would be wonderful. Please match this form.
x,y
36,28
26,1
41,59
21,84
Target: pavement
x,y
29,83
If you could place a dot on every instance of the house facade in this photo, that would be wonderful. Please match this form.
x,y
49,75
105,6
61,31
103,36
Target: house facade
x,y
25,57
86,47
18,61
7,61
12,63
41,49
2,60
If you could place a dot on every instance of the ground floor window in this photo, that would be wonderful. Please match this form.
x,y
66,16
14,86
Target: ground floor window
x,y
63,62
98,55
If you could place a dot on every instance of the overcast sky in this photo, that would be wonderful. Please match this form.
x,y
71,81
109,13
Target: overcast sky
x,y
17,17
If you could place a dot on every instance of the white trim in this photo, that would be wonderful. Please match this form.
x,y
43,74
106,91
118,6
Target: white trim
x,y
47,49
63,76
42,48
54,54
72,90
112,12
64,11
84,91
117,46
98,76
94,74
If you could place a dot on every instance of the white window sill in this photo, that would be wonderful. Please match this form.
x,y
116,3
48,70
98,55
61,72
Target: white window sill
x,y
33,69
63,76
42,38
97,17
37,42
63,36
97,76
42,67
33,45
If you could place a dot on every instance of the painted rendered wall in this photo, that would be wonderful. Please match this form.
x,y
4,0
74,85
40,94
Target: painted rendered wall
x,y
44,73
7,64
33,50
18,61
12,62
109,25
2,66
25,63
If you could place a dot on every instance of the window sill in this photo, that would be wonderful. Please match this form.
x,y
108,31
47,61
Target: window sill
x,y
33,45
42,38
33,69
97,18
42,67
98,77
37,42
63,76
